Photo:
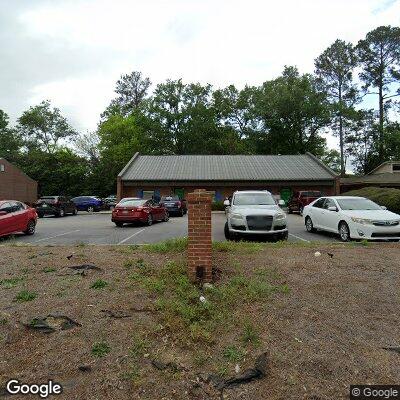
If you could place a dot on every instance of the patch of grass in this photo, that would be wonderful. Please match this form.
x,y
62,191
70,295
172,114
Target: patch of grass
x,y
237,247
10,283
25,296
140,345
100,349
200,358
81,244
99,284
139,263
250,334
175,245
49,269
364,242
233,354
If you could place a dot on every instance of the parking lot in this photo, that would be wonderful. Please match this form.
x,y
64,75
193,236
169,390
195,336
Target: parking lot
x,y
97,228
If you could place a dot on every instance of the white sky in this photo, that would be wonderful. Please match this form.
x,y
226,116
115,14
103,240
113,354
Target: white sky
x,y
72,52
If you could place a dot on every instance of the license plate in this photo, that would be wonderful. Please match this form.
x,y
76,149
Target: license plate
x,y
125,212
44,205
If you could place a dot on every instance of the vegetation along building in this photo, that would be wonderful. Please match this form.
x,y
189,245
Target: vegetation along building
x,y
15,185
147,176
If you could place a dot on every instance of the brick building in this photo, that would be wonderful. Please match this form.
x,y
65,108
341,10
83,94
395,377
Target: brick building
x,y
15,185
147,176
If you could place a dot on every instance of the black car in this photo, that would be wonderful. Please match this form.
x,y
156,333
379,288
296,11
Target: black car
x,y
55,205
174,205
110,202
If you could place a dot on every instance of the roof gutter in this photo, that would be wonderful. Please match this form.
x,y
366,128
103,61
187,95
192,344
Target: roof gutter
x,y
130,162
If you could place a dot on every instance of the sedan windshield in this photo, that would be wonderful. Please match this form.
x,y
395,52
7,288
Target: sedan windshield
x,y
357,204
132,203
253,199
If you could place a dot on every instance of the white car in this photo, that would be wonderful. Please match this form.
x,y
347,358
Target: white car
x,y
255,212
352,218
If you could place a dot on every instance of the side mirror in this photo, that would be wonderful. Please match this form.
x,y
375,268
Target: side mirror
x,y
227,203
3,213
281,202
384,207
332,208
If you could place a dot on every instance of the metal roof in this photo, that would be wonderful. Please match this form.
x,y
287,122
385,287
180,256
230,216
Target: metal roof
x,y
226,168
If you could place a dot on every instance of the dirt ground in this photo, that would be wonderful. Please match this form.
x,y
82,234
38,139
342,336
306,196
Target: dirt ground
x,y
324,329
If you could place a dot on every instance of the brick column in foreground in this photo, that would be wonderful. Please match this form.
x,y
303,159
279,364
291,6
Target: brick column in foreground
x,y
199,229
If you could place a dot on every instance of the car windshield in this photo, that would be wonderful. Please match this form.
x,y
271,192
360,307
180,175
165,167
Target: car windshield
x,y
132,203
170,198
357,204
253,199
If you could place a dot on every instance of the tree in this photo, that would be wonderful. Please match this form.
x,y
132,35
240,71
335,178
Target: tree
x,y
87,146
10,142
292,113
132,90
43,127
332,158
379,54
334,70
362,143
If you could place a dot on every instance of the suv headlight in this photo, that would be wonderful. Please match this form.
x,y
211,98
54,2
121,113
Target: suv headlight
x,y
362,221
280,216
237,216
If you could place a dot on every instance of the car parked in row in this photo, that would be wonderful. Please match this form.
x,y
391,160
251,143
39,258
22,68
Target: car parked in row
x,y
301,199
16,217
110,202
132,209
58,206
255,212
87,203
174,205
352,217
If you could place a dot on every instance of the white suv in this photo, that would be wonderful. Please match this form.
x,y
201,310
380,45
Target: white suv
x,y
255,212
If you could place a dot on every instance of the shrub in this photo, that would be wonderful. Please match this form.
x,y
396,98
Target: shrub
x,y
218,206
388,197
99,284
100,349
25,296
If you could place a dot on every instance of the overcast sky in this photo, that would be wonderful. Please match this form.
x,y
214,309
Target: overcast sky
x,y
72,52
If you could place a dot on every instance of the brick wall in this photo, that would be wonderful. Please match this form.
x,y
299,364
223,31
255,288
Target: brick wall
x,y
15,185
199,236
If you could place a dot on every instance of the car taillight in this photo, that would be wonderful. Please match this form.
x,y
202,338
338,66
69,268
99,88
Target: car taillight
x,y
139,209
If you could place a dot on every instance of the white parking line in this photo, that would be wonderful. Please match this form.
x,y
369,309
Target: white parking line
x,y
300,238
52,237
129,237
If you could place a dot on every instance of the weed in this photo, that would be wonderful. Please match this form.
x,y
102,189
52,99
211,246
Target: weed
x,y
364,242
250,335
25,296
175,245
139,346
100,349
49,269
200,358
233,354
3,321
10,283
99,284
81,244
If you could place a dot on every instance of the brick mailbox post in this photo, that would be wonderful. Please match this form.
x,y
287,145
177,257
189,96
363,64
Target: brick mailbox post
x,y
199,229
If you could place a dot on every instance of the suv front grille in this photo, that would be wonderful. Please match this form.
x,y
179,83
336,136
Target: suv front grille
x,y
259,222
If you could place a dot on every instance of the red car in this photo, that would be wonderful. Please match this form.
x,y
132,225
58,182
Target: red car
x,y
16,217
133,209
301,199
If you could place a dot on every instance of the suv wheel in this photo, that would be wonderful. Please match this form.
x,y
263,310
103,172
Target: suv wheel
x,y
75,211
284,236
309,225
90,209
61,213
30,228
166,217
149,220
181,212
344,232
301,209
226,232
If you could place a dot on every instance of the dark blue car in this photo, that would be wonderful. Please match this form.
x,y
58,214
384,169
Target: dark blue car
x,y
87,203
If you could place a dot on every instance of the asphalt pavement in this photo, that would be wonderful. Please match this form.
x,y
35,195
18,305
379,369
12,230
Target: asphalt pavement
x,y
97,228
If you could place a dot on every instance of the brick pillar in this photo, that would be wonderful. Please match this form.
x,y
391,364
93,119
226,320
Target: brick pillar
x,y
199,228
119,188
